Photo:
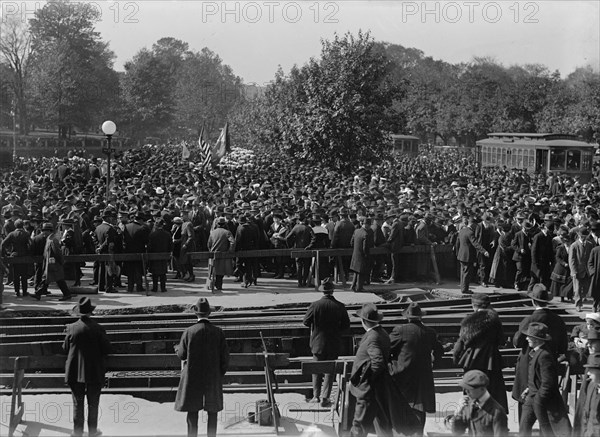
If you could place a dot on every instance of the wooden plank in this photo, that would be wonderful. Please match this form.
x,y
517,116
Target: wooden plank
x,y
310,367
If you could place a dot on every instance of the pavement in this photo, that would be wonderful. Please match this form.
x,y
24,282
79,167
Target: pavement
x,y
121,415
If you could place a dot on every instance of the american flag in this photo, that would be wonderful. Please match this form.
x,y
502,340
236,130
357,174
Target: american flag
x,y
205,150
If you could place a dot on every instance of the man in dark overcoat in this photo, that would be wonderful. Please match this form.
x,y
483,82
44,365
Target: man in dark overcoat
x,y
413,347
586,421
188,245
17,243
379,401
300,237
159,241
557,345
53,265
593,267
86,346
542,256
521,246
106,235
467,248
246,238
205,357
395,242
221,240
342,239
478,346
541,399
135,239
327,318
362,242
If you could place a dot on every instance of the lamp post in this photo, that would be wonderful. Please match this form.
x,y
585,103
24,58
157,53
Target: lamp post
x,y
14,116
109,129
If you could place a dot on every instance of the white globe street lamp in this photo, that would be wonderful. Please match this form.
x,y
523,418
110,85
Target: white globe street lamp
x,y
109,128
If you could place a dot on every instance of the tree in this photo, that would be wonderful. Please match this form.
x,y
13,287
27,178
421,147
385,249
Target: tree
x,y
15,49
73,82
336,110
206,91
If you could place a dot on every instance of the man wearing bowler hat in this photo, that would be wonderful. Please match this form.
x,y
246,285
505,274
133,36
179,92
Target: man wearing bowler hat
x,y
479,412
368,371
205,357
86,346
541,399
557,330
327,318
586,421
413,346
593,267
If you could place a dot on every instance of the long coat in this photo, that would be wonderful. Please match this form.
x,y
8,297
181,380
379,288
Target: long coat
x,y
543,390
579,255
371,381
53,265
327,318
188,241
586,420
206,357
86,346
541,255
159,241
412,347
478,348
467,246
558,345
362,242
221,240
594,271
342,234
562,284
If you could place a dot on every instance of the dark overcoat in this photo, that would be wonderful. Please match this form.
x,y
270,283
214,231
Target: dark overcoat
x,y
396,237
221,240
86,346
521,241
557,345
135,237
586,420
327,318
594,271
371,381
204,351
342,234
159,241
412,347
467,246
478,348
17,243
542,254
489,420
53,265
362,242
544,393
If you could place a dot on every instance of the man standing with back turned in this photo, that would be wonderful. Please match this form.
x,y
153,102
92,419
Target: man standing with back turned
x,y
87,346
205,357
326,318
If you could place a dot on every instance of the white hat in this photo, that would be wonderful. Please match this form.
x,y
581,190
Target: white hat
x,y
593,316
159,191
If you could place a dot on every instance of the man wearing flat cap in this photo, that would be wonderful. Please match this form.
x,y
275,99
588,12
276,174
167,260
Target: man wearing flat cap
x,y
541,399
414,349
478,411
86,346
327,319
205,357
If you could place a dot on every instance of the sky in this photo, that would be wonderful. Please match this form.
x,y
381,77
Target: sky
x,y
255,37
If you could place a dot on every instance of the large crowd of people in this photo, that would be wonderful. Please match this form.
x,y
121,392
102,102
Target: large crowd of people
x,y
266,202
509,228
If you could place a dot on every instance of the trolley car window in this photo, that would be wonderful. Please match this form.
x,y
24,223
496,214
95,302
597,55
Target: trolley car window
x,y
586,161
573,159
557,159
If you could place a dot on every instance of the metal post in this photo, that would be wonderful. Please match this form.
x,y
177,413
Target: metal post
x,y
109,152
14,114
